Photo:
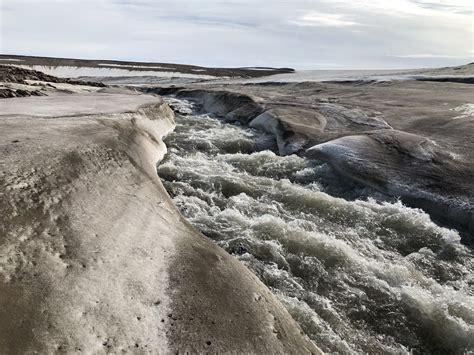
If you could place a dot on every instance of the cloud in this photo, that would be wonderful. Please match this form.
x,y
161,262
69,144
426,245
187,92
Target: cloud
x,y
319,19
448,6
306,34
421,56
409,7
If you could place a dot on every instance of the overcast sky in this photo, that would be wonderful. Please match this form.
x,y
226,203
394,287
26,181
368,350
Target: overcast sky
x,y
303,34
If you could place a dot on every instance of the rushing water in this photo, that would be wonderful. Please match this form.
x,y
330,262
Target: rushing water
x,y
358,272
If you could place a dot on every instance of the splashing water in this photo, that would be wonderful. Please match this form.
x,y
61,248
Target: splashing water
x,y
357,271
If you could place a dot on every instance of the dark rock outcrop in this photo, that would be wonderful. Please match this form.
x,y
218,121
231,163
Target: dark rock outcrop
x,y
12,74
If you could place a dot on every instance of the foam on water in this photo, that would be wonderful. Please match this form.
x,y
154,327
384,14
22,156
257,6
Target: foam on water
x,y
359,272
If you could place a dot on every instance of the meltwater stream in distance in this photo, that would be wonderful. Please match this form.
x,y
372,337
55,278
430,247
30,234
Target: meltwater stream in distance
x,y
359,272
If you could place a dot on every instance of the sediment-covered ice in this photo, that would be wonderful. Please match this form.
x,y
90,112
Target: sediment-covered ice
x,y
94,256
415,168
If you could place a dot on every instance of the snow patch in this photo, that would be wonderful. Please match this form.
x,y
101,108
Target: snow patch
x,y
258,68
76,72
123,66
465,111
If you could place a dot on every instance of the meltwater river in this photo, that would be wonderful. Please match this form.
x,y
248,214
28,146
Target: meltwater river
x,y
359,272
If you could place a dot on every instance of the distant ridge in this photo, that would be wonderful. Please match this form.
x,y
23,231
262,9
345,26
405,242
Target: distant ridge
x,y
137,67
